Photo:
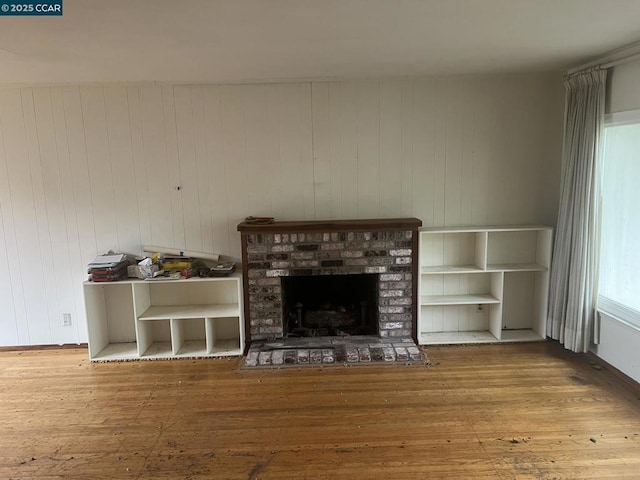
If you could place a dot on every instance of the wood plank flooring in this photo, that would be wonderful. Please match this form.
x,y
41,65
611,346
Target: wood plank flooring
x,y
525,411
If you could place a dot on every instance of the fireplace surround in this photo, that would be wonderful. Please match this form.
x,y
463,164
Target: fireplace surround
x,y
386,248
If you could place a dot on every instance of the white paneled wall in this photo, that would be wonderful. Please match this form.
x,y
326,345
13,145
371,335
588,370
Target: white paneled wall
x,y
86,169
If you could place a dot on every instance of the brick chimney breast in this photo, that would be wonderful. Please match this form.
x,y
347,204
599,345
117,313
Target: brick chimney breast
x,y
386,247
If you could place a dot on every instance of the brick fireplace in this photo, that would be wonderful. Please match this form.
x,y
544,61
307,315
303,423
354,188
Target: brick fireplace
x,y
385,248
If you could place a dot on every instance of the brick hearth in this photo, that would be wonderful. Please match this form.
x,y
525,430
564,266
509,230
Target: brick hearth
x,y
387,247
332,350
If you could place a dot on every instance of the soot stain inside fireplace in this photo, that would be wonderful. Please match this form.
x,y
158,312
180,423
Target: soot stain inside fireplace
x,y
330,305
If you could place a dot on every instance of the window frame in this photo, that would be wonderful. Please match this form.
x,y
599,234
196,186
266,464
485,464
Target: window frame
x,y
605,305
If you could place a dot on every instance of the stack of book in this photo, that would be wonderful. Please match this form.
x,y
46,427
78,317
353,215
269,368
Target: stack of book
x,y
108,268
222,269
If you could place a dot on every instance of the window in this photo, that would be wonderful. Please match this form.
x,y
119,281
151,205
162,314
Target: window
x,y
619,285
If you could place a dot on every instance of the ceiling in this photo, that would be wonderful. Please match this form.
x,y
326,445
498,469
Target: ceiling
x,y
269,40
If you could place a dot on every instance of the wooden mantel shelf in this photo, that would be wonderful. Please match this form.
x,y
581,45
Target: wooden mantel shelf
x,y
362,225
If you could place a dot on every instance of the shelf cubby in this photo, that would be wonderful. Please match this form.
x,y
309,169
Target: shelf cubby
x,y
221,336
452,251
519,250
110,321
188,336
463,288
525,302
154,338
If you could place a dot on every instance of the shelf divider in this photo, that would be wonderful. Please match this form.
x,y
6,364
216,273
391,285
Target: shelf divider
x,y
481,249
210,334
177,335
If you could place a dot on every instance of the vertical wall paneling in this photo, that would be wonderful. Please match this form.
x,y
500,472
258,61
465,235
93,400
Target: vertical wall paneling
x,y
202,183
335,151
518,148
100,167
138,169
423,168
272,159
526,151
294,120
390,176
482,140
187,172
441,99
514,187
9,332
73,121
453,164
173,166
215,173
75,175
348,141
368,148
159,185
29,283
406,160
122,168
321,150
292,171
548,144
68,230
305,145
54,236
254,111
43,166
467,113
499,172
233,133
92,168
14,322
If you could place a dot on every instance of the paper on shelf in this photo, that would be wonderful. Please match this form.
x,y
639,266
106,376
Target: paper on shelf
x,y
103,261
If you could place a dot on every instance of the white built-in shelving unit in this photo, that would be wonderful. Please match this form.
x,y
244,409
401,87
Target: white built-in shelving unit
x,y
483,284
141,319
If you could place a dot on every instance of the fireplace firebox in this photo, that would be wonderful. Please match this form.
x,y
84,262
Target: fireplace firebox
x,y
330,305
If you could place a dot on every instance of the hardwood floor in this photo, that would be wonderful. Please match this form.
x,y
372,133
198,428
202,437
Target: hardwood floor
x,y
528,411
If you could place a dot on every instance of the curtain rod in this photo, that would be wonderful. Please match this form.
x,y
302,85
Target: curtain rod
x,y
625,54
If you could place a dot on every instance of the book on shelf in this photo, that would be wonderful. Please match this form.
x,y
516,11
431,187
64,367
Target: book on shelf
x,y
108,274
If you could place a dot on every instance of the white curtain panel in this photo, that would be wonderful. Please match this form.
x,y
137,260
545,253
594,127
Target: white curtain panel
x,y
574,267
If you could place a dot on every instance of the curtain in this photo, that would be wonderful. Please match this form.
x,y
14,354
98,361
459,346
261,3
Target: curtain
x,y
573,281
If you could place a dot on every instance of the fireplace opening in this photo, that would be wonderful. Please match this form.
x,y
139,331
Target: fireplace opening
x,y
330,305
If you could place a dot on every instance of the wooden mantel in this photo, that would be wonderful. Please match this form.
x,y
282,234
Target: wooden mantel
x,y
366,225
